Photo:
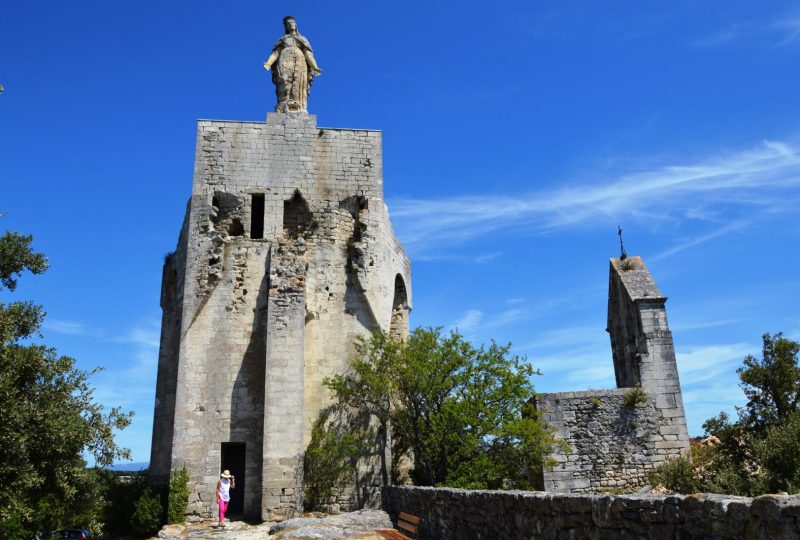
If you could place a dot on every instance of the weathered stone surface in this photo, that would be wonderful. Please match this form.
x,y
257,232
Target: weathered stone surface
x,y
335,527
614,443
285,256
173,531
360,525
453,514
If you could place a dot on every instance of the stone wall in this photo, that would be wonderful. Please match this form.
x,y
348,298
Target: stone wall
x,y
614,445
459,514
286,255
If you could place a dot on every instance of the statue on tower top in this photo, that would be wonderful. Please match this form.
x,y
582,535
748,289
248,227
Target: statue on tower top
x,y
293,69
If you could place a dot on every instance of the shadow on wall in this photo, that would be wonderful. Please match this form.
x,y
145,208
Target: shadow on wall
x,y
247,403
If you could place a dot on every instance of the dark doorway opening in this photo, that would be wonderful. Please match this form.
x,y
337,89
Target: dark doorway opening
x,y
233,459
257,216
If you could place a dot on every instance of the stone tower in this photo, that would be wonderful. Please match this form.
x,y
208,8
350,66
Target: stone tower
x,y
286,254
618,435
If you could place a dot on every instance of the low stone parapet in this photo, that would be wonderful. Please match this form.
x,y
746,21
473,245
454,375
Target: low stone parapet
x,y
462,514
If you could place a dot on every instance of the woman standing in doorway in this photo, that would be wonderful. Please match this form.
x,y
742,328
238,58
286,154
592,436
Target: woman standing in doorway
x,y
226,482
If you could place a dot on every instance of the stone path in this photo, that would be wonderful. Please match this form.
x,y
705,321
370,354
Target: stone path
x,y
360,525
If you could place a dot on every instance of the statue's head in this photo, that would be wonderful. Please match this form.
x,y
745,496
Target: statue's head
x,y
289,24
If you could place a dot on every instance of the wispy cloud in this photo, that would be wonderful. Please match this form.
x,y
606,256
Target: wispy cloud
x,y
474,320
699,364
468,322
790,27
130,380
145,336
481,258
757,180
688,325
71,328
700,239
769,33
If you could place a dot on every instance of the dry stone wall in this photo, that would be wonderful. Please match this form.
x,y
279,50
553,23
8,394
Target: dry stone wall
x,y
614,444
454,514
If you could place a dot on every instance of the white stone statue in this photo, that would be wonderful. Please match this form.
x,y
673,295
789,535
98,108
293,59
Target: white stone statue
x,y
293,69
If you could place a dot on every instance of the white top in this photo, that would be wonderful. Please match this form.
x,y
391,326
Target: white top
x,y
225,489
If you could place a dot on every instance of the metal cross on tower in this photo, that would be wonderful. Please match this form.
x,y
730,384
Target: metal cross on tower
x,y
622,254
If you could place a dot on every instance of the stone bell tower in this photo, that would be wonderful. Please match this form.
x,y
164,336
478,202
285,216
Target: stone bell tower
x,y
286,254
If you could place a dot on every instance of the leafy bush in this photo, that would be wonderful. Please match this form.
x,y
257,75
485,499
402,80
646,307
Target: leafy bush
x,y
779,454
178,496
330,458
122,492
148,513
675,475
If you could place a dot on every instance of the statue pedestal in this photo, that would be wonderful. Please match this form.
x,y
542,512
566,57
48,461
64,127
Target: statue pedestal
x,y
292,119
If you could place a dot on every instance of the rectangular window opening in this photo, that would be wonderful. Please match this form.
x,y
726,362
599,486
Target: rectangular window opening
x,y
257,216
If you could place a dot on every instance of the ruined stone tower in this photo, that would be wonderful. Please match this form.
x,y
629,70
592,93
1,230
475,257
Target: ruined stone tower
x,y
286,254
618,435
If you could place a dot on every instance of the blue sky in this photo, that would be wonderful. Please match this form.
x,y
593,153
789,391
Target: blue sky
x,y
517,136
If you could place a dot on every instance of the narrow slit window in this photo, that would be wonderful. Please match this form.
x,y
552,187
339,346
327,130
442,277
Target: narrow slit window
x,y
257,216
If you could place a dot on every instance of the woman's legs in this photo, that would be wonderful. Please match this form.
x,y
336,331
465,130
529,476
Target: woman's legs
x,y
223,506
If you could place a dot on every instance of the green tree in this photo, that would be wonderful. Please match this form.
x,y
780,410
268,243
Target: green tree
x,y
770,383
330,460
760,451
461,412
49,415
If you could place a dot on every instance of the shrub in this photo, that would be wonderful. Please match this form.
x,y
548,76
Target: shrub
x,y
635,397
779,453
178,496
123,491
626,265
330,460
147,516
675,475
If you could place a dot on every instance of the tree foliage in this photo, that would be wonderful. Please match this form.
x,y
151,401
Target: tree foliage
x,y
771,384
461,413
760,451
178,496
50,417
330,459
148,513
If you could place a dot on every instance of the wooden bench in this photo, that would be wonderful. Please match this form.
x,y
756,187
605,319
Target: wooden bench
x,y
407,523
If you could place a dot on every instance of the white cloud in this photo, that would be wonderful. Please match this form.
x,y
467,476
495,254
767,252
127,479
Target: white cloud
x,y
701,239
148,337
72,328
697,364
687,325
468,322
573,336
481,258
790,28
756,179
769,33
